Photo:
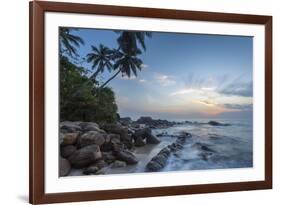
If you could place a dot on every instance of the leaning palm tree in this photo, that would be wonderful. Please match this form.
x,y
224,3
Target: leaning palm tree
x,y
68,41
126,64
100,58
129,40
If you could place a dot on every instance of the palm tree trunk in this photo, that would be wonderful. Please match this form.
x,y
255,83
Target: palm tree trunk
x,y
103,85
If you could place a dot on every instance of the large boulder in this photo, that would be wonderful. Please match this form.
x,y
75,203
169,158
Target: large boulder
x,y
85,156
125,121
145,120
90,126
91,137
110,140
127,156
143,133
90,170
139,142
68,138
68,150
64,167
118,164
215,123
69,126
108,157
116,128
151,139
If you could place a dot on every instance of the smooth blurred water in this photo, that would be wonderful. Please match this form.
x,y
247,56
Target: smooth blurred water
x,y
232,145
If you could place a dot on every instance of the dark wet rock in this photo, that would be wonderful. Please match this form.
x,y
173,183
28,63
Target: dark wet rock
x,y
91,137
68,138
203,147
142,133
125,121
103,170
155,123
151,139
162,134
139,142
64,167
110,140
153,166
68,150
108,157
90,126
69,126
159,161
118,164
85,156
215,123
90,170
120,130
127,156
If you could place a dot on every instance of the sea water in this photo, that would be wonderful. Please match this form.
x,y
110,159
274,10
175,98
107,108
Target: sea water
x,y
232,145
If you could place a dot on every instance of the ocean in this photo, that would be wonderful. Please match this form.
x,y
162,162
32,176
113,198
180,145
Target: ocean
x,y
232,145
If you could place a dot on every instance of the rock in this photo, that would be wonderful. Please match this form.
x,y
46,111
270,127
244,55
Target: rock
x,y
85,156
90,170
142,133
101,164
145,120
68,150
108,157
125,121
215,123
153,166
102,171
139,142
91,137
151,139
155,123
64,167
118,164
126,156
90,126
120,130
110,140
70,126
68,138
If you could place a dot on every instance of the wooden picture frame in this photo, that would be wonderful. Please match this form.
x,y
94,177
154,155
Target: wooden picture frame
x,y
37,193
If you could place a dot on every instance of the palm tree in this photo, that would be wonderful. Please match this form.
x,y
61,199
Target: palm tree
x,y
69,42
126,63
129,40
100,57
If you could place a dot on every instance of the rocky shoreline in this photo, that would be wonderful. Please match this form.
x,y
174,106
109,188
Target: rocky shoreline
x,y
95,148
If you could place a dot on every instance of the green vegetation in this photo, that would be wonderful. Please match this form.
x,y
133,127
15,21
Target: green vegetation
x,y
82,96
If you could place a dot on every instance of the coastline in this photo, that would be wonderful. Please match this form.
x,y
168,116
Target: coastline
x,y
144,145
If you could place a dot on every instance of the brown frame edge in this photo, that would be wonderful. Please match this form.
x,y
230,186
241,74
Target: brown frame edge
x,y
36,101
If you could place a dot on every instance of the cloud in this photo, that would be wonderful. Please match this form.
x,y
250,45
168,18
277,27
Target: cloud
x,y
244,89
142,81
206,102
239,106
185,91
164,80
143,66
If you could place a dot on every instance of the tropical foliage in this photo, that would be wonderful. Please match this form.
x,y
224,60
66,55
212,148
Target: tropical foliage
x,y
82,96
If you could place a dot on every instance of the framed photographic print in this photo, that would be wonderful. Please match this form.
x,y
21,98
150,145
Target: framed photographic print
x,y
139,102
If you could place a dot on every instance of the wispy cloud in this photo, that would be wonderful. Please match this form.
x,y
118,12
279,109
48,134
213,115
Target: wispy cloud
x,y
143,66
142,81
164,80
239,89
239,106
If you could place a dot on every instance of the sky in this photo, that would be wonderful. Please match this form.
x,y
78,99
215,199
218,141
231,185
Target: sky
x,y
183,76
